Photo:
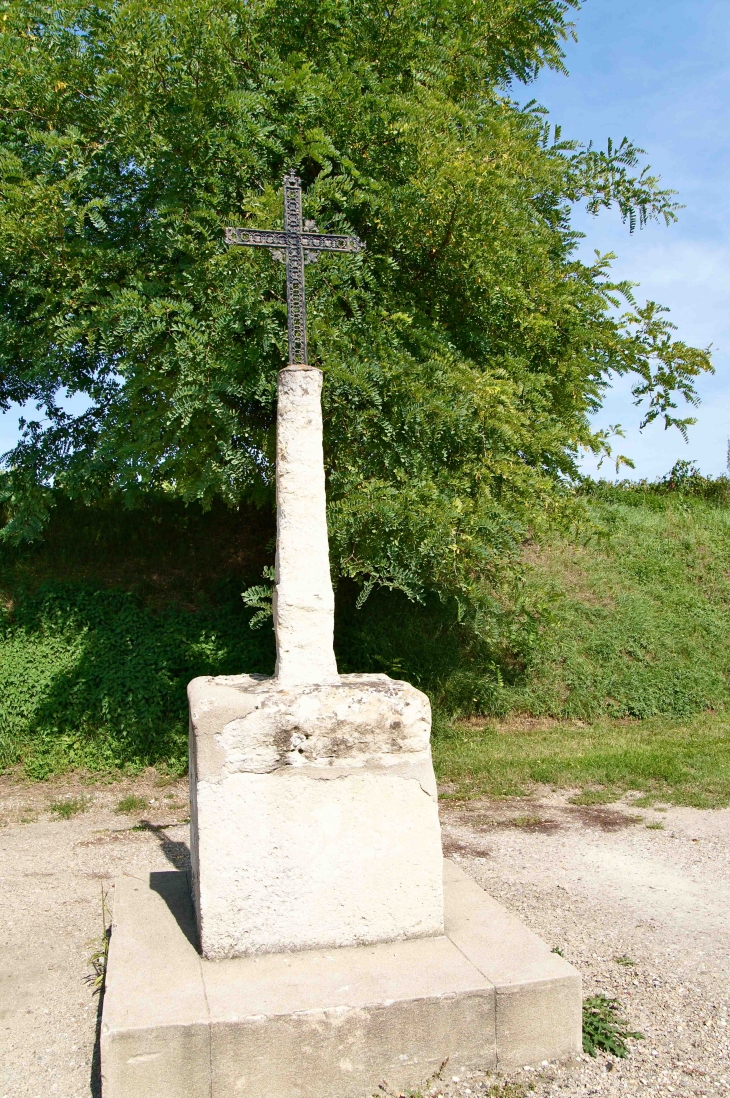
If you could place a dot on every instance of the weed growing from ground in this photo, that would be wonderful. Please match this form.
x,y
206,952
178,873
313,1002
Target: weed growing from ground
x,y
657,826
510,1090
98,958
604,1029
625,961
69,807
131,803
595,796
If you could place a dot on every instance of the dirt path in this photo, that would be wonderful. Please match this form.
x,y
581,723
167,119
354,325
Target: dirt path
x,y
597,883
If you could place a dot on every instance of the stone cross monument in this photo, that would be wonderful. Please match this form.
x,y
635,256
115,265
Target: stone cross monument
x,y
313,799
338,949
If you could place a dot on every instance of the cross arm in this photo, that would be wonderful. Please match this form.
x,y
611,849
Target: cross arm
x,y
256,238
326,242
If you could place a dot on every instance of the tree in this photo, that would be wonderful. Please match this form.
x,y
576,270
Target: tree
x,y
462,353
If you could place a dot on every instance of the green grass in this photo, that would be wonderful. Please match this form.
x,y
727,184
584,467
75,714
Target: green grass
x,y
634,620
669,760
627,663
595,796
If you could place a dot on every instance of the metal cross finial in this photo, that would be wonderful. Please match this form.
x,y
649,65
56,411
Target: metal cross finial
x,y
296,247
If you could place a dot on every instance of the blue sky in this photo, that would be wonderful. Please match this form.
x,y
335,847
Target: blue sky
x,y
658,72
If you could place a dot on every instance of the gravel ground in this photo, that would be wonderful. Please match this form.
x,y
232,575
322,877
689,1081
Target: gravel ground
x,y
52,873
598,883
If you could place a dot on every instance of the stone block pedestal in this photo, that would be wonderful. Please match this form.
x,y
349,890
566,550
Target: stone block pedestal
x,y
313,814
325,1023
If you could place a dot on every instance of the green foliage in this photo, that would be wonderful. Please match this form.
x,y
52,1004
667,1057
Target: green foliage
x,y
259,598
683,480
104,623
604,1029
95,679
463,352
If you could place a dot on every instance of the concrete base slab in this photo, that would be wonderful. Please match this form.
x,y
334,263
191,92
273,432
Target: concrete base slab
x,y
325,1023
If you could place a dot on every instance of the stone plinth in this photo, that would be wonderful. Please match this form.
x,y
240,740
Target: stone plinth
x,y
325,1023
314,818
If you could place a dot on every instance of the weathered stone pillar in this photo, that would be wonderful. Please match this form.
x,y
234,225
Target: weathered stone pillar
x,y
303,597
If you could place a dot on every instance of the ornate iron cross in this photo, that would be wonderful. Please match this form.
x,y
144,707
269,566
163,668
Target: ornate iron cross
x,y
296,246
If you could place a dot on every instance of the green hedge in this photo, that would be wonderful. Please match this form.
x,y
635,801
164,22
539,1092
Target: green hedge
x,y
94,678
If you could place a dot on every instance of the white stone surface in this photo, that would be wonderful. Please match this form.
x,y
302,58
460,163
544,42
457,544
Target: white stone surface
x,y
303,597
326,1023
314,818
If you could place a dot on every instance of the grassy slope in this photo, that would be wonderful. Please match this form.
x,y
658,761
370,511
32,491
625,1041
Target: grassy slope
x,y
635,623
622,628
636,618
